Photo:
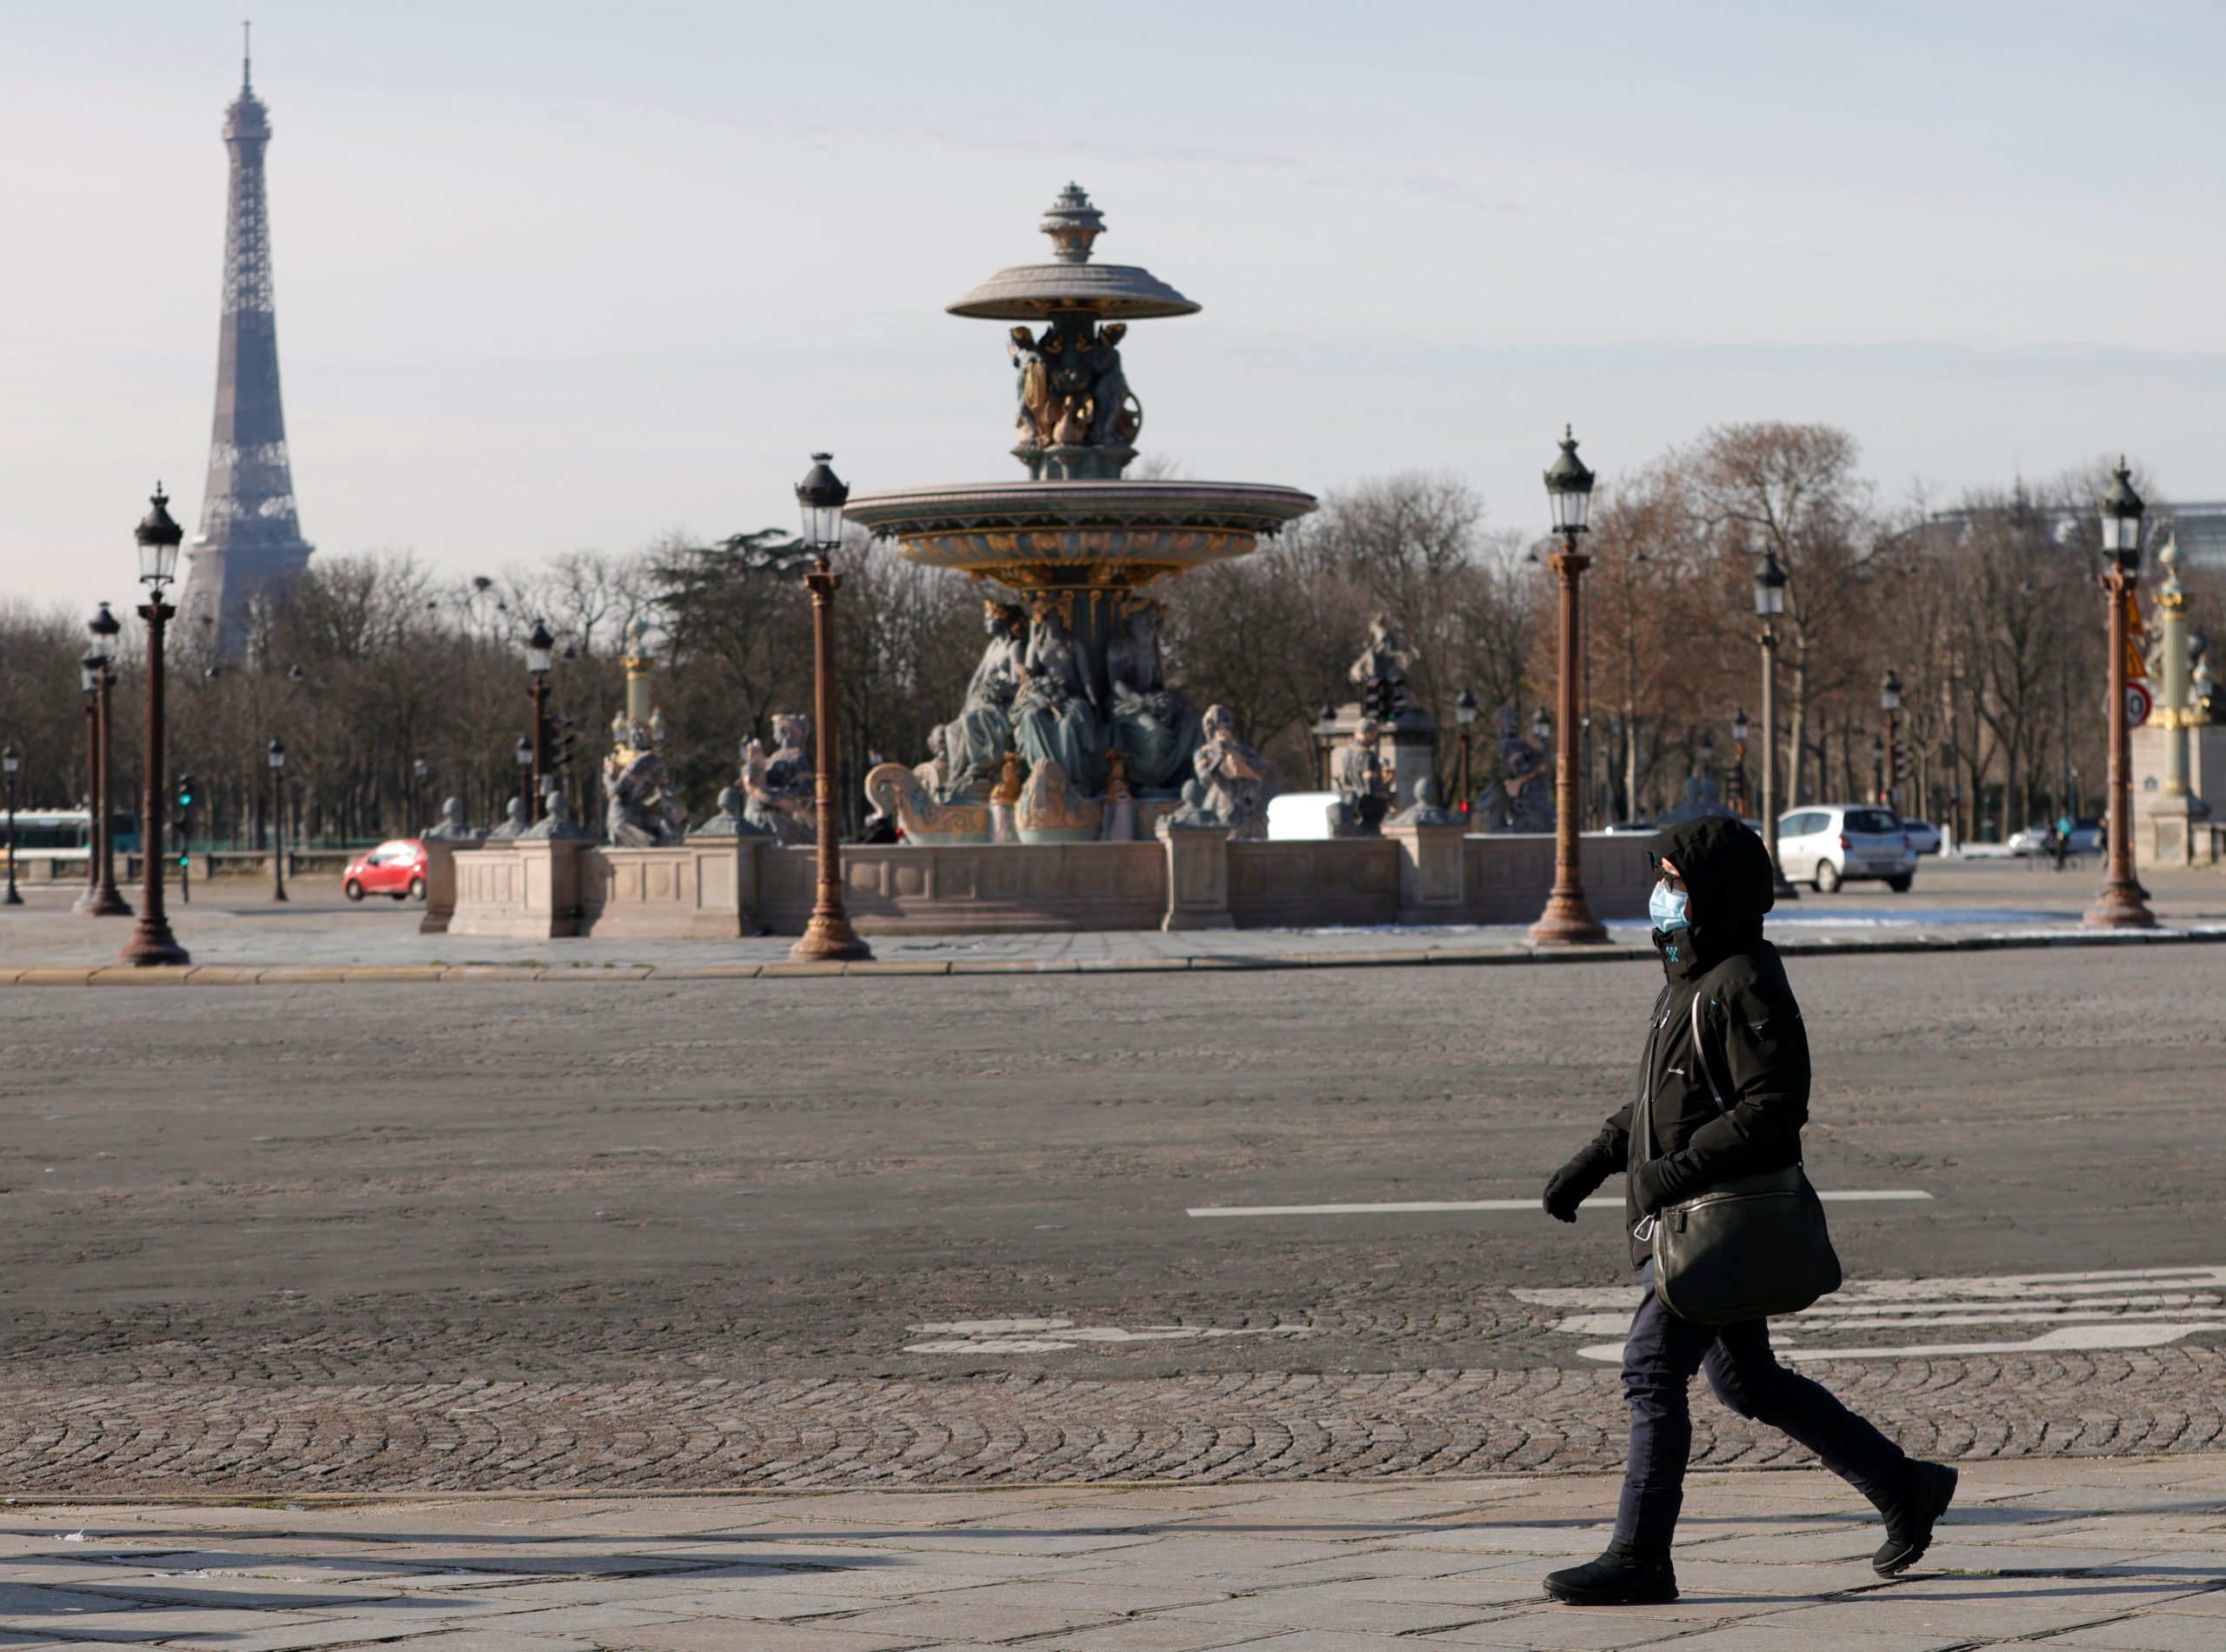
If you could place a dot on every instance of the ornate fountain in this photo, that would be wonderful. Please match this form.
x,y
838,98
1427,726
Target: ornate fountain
x,y
1068,732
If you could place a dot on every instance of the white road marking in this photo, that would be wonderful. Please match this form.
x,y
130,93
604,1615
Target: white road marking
x,y
1048,1335
1846,1195
2115,1307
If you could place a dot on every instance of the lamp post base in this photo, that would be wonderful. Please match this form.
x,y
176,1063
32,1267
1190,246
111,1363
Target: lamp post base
x,y
152,944
830,940
2120,907
1782,889
102,903
1567,922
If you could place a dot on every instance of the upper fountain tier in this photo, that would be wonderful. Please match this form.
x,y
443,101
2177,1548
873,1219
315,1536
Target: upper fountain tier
x,y
1075,522
1105,291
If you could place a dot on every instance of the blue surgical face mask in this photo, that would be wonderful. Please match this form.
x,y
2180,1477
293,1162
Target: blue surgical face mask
x,y
1667,907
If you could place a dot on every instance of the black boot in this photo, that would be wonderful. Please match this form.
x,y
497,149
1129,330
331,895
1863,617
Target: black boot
x,y
1911,1509
1624,1576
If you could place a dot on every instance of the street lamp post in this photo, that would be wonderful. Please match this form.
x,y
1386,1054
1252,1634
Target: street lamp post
x,y
88,676
102,899
277,820
525,776
10,760
159,536
821,496
1568,918
1464,713
1890,702
1769,602
419,772
2122,905
540,651
1879,767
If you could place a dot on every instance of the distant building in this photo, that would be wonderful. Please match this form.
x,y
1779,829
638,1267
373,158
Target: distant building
x,y
2200,526
251,537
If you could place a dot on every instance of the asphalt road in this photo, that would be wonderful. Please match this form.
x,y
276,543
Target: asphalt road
x,y
787,1178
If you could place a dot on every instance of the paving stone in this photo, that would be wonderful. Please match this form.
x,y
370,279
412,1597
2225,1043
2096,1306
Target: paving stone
x,y
1560,1630
1082,1596
1438,1591
2020,1557
1768,1637
496,1640
300,1637
1316,1606
718,1635
948,1617
1959,1619
2148,1634
1338,1641
2212,1603
1157,1635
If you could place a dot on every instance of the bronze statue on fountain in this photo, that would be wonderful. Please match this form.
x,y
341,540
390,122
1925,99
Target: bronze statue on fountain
x,y
1070,686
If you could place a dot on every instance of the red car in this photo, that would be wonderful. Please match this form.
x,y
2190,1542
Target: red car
x,y
396,868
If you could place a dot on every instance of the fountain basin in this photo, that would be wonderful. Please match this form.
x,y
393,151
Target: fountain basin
x,y
1046,534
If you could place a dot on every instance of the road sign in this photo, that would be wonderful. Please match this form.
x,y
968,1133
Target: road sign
x,y
2138,703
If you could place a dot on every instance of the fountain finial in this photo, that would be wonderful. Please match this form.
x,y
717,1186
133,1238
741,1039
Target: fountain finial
x,y
1073,224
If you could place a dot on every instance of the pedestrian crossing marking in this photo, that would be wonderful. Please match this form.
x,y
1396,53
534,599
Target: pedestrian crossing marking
x,y
2115,1308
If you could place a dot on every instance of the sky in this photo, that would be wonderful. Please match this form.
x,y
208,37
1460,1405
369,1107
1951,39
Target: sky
x,y
561,274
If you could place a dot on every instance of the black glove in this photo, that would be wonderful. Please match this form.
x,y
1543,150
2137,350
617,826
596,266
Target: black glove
x,y
1659,1183
1572,1184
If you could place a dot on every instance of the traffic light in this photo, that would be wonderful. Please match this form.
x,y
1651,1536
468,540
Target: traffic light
x,y
562,733
187,792
1901,766
1380,699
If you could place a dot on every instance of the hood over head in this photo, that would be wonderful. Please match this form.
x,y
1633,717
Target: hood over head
x,y
1728,874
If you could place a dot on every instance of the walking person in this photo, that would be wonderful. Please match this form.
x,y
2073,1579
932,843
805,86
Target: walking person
x,y
1708,908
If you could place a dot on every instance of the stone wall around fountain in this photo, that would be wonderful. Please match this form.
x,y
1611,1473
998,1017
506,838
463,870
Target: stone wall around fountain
x,y
714,889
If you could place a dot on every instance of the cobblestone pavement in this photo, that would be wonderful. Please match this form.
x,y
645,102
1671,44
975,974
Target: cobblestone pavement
x,y
2084,1553
803,1232
149,1437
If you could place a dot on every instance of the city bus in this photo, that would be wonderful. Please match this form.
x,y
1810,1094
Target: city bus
x,y
46,836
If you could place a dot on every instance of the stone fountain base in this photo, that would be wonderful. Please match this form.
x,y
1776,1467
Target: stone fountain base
x,y
1188,878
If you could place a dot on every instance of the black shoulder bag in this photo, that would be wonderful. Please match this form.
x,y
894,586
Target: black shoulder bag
x,y
1750,1247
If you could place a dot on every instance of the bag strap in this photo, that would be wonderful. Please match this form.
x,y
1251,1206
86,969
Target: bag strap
x,y
1700,1057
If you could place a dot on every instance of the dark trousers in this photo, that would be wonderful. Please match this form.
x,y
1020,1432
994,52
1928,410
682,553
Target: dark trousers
x,y
1659,1360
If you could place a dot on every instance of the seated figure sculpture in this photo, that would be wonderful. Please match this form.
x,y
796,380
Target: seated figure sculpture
x,y
641,811
1237,778
780,793
514,822
452,828
1054,718
729,821
934,775
1522,798
557,823
1156,727
1704,798
976,741
1363,788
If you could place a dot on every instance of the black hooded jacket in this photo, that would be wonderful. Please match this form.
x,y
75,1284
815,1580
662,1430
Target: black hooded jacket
x,y
1751,1044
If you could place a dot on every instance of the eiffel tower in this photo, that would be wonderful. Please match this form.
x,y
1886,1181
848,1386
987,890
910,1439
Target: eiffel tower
x,y
251,537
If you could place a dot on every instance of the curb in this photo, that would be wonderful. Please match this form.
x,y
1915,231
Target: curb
x,y
280,975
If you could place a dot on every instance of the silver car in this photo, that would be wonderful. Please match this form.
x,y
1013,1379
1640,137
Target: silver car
x,y
1829,844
